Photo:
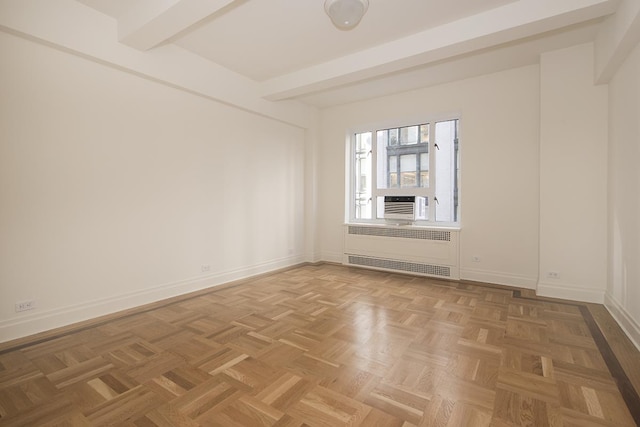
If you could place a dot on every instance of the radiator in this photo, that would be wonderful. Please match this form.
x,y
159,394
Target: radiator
x,y
422,251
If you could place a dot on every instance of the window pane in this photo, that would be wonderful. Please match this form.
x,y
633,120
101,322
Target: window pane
x,y
424,134
409,135
394,143
408,163
408,170
424,170
407,179
393,180
393,136
393,171
382,137
393,163
362,169
446,134
382,169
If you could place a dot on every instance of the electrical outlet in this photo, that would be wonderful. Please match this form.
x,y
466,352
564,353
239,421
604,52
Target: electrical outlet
x,y
206,267
25,305
475,258
553,275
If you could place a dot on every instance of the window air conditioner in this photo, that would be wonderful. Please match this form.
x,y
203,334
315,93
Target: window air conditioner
x,y
405,208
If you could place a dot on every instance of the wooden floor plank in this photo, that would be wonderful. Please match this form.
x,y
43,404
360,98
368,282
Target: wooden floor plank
x,y
327,345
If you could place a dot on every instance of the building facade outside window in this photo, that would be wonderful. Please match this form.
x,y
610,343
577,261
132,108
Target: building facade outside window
x,y
416,160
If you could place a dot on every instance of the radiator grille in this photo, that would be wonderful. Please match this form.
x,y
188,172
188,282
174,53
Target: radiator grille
x,y
406,233
434,270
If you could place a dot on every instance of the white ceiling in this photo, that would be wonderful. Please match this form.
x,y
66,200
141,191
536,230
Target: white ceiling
x,y
290,49
298,34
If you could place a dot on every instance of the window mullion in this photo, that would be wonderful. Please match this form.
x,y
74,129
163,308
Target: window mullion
x,y
374,174
432,171
352,184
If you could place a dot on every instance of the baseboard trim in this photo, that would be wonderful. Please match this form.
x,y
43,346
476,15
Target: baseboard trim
x,y
498,278
335,257
39,322
623,318
569,292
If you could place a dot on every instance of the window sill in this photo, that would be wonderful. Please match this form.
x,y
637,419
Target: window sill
x,y
451,227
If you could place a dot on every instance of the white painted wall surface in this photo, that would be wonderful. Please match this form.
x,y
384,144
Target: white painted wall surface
x,y
499,183
573,177
623,291
115,190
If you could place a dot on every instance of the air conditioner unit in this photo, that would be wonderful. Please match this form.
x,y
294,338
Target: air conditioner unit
x,y
405,208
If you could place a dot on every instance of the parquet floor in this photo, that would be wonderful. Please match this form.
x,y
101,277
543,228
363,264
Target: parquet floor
x,y
326,345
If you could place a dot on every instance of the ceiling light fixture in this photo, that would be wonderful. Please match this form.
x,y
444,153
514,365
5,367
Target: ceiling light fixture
x,y
346,14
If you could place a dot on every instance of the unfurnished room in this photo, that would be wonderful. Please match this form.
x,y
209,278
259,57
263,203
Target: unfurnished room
x,y
320,213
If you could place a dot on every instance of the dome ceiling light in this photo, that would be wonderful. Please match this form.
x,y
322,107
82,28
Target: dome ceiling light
x,y
346,14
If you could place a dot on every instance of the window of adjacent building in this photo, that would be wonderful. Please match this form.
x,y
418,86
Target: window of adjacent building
x,y
417,160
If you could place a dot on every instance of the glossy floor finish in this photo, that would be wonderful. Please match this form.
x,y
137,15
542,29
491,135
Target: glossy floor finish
x,y
327,345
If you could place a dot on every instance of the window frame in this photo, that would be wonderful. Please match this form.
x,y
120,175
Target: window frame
x,y
428,192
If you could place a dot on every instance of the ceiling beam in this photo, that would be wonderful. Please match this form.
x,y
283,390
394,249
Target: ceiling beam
x,y
91,35
514,21
150,23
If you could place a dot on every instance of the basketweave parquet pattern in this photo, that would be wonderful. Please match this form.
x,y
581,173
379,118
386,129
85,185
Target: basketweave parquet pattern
x,y
322,346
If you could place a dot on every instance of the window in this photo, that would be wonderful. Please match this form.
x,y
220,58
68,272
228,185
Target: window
x,y
417,160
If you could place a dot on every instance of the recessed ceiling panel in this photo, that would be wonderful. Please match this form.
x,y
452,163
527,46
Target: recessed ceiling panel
x,y
263,39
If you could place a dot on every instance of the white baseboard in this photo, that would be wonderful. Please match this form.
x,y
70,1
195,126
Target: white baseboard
x,y
570,292
45,320
331,256
628,324
499,278
312,257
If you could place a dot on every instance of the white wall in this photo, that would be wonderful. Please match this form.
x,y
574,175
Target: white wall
x,y
115,190
573,177
500,175
623,290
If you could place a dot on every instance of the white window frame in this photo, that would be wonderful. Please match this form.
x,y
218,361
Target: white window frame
x,y
428,192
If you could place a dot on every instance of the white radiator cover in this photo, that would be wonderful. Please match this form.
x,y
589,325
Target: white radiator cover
x,y
415,250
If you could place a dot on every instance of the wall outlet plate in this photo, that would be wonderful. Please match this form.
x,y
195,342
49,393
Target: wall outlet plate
x,y
25,305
